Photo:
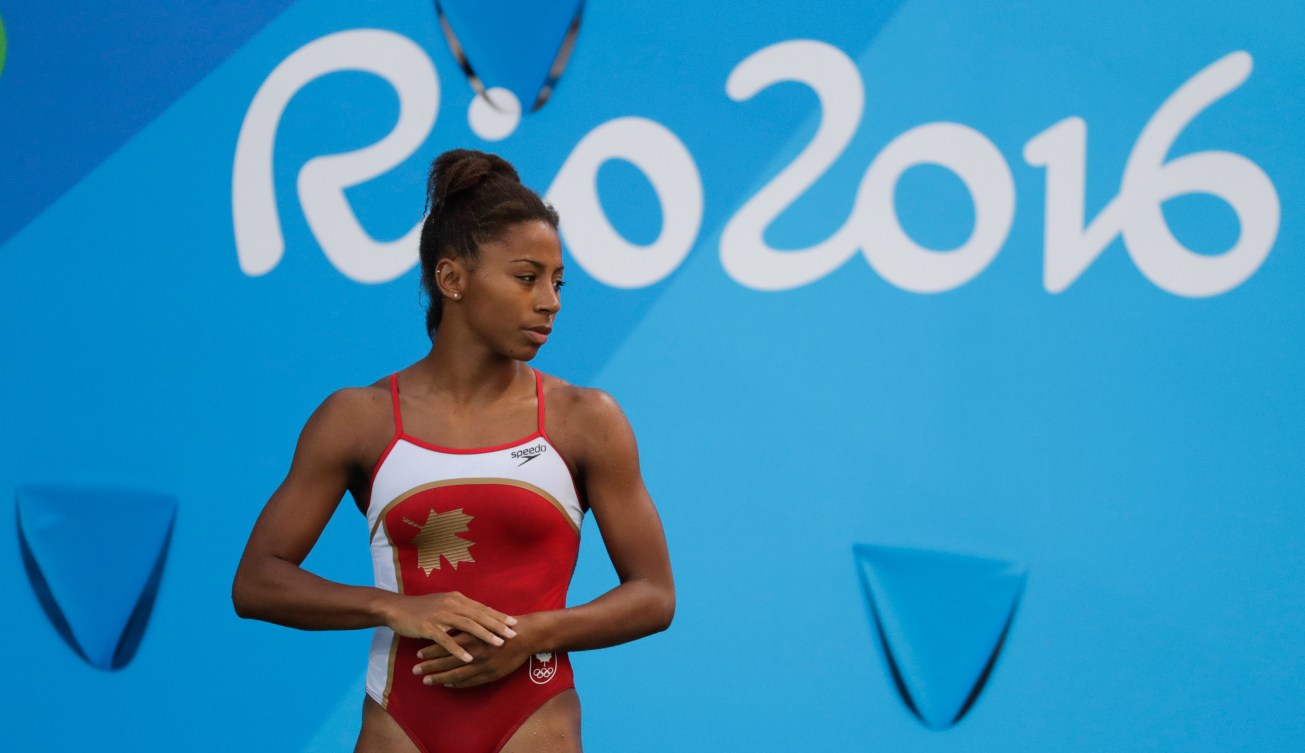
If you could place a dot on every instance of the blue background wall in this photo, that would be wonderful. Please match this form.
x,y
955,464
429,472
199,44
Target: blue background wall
x,y
1133,443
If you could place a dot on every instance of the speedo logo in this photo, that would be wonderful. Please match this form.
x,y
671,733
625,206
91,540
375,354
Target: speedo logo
x,y
530,453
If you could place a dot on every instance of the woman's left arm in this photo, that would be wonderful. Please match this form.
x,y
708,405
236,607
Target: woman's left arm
x,y
598,439
644,601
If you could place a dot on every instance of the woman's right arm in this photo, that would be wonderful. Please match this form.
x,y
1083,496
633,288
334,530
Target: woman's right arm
x,y
333,451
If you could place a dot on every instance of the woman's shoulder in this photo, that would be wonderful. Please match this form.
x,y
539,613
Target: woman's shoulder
x,y
355,407
574,398
366,399
589,428
584,411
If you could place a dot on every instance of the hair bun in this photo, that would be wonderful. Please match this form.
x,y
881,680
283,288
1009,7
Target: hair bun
x,y
460,170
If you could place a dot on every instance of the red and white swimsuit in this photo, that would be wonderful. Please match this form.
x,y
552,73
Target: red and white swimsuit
x,y
502,526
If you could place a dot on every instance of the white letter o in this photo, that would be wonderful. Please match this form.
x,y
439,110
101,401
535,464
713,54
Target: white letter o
x,y
972,158
599,249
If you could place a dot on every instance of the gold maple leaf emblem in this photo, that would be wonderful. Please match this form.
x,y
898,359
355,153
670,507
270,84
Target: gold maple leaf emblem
x,y
439,538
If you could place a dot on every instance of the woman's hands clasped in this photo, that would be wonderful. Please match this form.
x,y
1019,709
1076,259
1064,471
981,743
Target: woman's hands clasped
x,y
434,616
490,661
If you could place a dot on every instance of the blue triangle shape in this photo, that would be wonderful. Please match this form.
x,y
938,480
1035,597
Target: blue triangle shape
x,y
942,619
94,558
515,44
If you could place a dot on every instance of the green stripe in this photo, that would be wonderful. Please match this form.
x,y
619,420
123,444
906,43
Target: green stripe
x,y
4,46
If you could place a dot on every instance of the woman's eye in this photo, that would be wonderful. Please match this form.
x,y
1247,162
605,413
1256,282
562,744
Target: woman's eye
x,y
526,278
559,284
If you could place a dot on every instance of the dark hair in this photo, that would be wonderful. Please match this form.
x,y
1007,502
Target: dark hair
x,y
471,198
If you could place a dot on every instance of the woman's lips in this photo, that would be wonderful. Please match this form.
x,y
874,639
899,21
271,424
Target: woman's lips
x,y
538,334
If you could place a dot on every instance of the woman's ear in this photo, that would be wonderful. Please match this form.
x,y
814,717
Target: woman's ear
x,y
450,277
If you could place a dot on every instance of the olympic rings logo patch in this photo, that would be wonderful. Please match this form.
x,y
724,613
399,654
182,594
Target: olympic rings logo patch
x,y
543,666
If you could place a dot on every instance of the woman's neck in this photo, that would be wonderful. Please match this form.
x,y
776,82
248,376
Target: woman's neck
x,y
465,373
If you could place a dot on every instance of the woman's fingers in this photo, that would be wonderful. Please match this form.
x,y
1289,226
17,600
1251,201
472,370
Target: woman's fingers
x,y
472,627
450,644
501,624
434,651
434,666
436,615
458,677
491,619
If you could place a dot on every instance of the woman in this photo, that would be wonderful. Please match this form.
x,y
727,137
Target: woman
x,y
474,528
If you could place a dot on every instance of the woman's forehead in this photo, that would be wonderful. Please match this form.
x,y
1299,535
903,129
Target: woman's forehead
x,y
532,241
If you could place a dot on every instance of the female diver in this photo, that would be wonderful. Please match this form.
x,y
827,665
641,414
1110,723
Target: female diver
x,y
473,471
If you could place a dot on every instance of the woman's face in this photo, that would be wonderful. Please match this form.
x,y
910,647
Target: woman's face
x,y
510,297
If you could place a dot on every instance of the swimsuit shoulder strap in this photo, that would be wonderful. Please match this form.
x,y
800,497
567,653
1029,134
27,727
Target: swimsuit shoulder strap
x,y
539,399
394,398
